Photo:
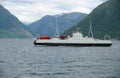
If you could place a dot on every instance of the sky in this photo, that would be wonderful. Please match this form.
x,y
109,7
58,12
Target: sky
x,y
28,11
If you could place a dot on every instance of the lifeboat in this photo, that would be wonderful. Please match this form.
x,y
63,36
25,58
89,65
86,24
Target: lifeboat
x,y
44,38
63,37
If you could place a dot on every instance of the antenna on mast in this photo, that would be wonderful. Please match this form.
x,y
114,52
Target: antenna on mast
x,y
57,30
90,30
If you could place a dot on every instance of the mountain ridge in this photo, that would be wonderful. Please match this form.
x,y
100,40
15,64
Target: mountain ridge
x,y
11,27
47,24
105,20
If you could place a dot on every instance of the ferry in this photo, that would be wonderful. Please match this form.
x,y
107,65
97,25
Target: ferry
x,y
77,39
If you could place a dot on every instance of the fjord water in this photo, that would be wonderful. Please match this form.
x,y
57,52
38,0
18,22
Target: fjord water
x,y
19,58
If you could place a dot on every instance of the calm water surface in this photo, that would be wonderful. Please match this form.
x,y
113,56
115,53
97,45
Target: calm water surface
x,y
19,58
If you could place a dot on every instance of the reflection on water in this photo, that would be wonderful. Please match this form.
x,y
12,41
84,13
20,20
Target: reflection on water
x,y
19,58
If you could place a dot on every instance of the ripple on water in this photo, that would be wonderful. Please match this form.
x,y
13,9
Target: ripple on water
x,y
1,61
39,75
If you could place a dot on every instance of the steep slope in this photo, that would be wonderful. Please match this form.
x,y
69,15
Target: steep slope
x,y
47,24
11,27
105,20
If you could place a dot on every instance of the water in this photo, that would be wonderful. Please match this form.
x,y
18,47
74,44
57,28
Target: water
x,y
19,58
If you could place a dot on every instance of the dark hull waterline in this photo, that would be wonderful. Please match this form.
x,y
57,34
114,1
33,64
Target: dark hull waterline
x,y
74,44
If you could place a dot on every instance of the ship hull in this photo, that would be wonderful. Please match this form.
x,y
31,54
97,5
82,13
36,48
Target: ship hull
x,y
75,44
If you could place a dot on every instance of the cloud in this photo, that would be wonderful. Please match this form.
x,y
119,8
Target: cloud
x,y
31,10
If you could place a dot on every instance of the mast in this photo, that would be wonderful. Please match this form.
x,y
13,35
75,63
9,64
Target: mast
x,y
57,30
90,30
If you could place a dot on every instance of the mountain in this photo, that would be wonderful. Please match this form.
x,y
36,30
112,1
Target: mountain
x,y
105,20
47,24
11,27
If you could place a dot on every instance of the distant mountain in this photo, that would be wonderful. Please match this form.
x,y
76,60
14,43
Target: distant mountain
x,y
105,20
47,24
11,27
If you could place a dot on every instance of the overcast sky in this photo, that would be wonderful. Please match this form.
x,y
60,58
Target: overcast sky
x,y
29,11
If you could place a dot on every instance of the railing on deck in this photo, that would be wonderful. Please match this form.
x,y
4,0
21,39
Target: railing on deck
x,y
107,37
